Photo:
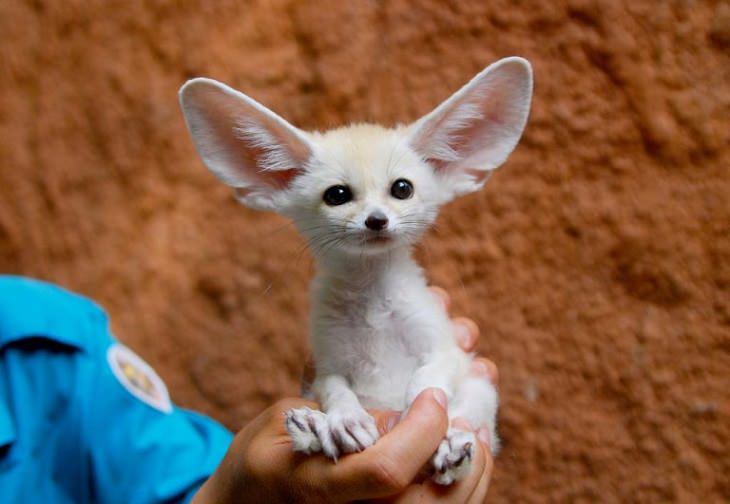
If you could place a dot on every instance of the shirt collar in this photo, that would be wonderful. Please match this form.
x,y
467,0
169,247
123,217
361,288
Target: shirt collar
x,y
7,427
31,308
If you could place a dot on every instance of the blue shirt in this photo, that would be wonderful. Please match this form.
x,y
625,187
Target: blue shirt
x,y
81,417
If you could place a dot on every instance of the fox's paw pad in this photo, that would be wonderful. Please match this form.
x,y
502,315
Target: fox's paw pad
x,y
352,431
309,431
452,460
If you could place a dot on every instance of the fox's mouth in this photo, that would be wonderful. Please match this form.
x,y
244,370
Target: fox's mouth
x,y
378,239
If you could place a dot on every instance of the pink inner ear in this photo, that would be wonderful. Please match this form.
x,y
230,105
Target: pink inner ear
x,y
476,128
282,178
295,150
463,128
242,142
495,116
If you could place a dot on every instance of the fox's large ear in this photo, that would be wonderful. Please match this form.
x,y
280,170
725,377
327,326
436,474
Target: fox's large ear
x,y
243,143
475,130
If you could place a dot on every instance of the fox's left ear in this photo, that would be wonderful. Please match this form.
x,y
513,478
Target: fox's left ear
x,y
244,144
476,129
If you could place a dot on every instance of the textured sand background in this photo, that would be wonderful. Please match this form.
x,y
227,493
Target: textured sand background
x,y
597,261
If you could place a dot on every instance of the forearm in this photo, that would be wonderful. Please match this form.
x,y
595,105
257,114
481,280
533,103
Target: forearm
x,y
333,392
439,370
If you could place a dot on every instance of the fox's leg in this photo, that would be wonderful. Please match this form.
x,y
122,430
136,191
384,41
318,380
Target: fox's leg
x,y
345,427
476,400
445,370
473,399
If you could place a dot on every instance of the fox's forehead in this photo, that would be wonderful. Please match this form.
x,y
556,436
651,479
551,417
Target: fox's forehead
x,y
364,153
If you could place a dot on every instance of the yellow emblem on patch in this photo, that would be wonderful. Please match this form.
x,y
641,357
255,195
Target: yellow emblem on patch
x,y
138,378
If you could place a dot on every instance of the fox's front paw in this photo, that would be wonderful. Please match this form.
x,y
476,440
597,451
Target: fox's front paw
x,y
452,460
309,431
353,430
336,433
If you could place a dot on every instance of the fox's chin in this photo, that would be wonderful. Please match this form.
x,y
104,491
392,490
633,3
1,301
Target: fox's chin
x,y
378,239
372,244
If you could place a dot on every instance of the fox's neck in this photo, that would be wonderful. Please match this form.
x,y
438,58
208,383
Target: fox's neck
x,y
359,271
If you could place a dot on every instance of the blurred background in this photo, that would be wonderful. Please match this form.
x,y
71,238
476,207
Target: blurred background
x,y
596,261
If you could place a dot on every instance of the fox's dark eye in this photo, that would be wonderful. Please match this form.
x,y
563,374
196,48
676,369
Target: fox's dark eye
x,y
337,195
401,189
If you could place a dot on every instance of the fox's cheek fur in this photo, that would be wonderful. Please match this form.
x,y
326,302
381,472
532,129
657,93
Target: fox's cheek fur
x,y
379,337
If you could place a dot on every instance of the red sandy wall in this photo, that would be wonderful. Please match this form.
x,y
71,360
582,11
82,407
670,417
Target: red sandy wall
x,y
597,261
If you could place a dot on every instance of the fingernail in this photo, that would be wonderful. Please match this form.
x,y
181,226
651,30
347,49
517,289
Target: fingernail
x,y
463,335
483,435
392,422
479,368
440,397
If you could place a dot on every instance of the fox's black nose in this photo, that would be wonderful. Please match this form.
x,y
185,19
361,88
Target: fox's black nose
x,y
377,221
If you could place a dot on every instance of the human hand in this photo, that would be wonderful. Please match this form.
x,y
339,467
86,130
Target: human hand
x,y
261,466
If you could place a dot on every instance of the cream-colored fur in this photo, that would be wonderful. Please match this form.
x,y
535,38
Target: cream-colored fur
x,y
379,337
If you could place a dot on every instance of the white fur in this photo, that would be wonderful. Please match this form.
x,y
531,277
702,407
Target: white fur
x,y
274,155
379,336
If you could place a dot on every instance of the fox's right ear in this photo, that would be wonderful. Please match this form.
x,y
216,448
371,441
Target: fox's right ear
x,y
476,129
246,145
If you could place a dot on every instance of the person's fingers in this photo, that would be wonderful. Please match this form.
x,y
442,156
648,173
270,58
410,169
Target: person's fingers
x,y
486,368
466,330
443,296
386,420
413,494
466,333
480,492
390,465
472,489
459,491
484,437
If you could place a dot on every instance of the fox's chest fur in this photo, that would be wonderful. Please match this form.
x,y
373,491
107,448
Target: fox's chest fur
x,y
376,325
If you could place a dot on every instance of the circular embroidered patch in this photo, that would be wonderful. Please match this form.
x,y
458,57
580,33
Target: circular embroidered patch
x,y
138,378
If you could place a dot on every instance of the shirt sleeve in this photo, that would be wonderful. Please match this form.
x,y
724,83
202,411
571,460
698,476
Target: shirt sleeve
x,y
140,451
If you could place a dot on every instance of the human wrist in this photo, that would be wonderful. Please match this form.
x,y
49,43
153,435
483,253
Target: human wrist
x,y
205,494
